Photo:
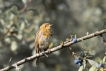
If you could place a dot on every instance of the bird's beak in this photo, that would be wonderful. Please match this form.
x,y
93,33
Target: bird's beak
x,y
51,24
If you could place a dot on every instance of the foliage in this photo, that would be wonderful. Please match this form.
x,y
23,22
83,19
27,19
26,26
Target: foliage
x,y
69,17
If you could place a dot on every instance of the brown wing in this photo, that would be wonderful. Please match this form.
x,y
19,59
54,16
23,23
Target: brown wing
x,y
37,47
36,42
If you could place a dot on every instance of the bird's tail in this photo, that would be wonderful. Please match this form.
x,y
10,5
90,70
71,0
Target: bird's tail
x,y
37,61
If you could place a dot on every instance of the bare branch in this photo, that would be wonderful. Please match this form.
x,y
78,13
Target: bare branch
x,y
66,44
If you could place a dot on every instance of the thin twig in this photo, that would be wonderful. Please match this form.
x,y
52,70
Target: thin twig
x,y
53,50
10,61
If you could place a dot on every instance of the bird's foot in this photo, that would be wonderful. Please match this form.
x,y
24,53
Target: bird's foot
x,y
45,54
49,50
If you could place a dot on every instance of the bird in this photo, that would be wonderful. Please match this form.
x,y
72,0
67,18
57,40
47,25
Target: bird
x,y
43,39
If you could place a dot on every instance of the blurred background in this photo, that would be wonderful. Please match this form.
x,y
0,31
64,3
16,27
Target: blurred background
x,y
69,17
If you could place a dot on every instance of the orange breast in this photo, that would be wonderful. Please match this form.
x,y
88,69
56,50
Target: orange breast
x,y
44,40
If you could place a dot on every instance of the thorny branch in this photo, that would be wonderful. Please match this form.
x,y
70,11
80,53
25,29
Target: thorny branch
x,y
65,44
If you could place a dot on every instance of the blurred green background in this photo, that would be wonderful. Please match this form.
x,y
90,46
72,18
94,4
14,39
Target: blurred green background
x,y
69,17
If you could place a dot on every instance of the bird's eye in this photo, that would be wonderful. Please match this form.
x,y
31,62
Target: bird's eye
x,y
46,25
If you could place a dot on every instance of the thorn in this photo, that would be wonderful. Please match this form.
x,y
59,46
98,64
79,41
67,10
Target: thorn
x,y
17,68
10,61
96,31
62,43
71,37
75,36
87,33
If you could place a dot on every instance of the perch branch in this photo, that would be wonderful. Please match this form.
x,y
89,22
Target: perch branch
x,y
65,44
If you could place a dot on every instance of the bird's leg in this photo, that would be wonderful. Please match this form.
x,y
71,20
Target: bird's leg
x,y
45,53
49,50
40,52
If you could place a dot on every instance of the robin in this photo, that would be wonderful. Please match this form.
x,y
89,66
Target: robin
x,y
43,39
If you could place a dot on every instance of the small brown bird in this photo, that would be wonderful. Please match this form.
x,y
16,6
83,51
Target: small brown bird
x,y
43,39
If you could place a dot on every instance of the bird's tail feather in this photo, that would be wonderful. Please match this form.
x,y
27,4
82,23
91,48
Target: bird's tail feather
x,y
37,61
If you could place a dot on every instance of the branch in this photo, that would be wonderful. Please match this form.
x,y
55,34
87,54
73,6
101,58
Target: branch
x,y
64,45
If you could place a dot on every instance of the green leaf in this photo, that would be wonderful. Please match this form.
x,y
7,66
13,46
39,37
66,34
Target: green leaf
x,y
14,46
93,63
93,68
